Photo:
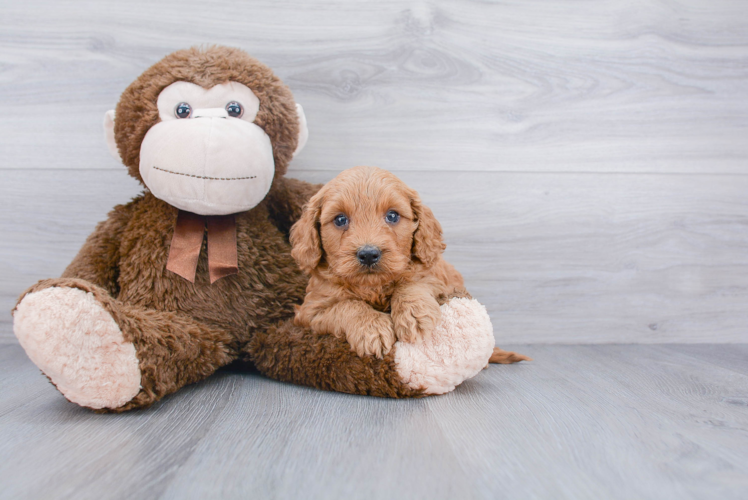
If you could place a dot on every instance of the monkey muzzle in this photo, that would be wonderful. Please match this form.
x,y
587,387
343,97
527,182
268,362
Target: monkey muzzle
x,y
208,164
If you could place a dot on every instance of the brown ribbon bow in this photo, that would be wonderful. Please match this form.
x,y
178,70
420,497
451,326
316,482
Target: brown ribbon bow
x,y
188,241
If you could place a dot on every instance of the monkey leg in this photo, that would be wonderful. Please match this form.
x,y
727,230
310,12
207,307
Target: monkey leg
x,y
458,349
106,355
297,355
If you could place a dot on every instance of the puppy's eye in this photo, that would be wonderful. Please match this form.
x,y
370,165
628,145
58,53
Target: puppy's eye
x,y
392,217
340,220
183,110
234,109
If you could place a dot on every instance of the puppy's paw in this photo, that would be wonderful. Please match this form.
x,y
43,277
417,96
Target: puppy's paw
x,y
372,338
415,320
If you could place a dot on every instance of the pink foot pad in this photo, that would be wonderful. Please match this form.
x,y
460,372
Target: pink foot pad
x,y
78,345
457,350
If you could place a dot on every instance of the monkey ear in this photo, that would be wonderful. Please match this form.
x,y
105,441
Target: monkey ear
x,y
303,130
109,134
305,238
428,244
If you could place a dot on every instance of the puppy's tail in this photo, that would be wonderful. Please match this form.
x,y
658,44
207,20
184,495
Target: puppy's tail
x,y
506,357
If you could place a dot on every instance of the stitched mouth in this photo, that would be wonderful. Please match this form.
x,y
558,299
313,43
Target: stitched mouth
x,y
204,177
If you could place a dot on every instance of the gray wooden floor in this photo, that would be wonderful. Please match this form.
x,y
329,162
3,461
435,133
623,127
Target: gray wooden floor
x,y
597,422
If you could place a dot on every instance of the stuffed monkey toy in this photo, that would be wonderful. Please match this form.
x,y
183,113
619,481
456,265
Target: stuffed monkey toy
x,y
196,272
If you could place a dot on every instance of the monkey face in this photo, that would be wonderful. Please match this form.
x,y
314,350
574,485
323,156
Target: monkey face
x,y
207,129
206,155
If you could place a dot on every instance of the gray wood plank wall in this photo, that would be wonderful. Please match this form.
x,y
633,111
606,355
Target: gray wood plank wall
x,y
587,159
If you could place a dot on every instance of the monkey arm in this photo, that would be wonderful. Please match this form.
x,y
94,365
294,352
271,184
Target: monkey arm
x,y
97,261
286,200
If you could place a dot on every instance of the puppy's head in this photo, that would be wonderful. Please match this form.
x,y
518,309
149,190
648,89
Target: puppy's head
x,y
367,226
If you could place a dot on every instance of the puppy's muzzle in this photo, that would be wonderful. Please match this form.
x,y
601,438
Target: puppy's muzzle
x,y
368,255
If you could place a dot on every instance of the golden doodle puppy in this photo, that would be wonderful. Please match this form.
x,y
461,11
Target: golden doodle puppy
x,y
374,255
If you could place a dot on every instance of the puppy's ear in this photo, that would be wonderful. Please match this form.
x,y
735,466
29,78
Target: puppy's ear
x,y
304,237
428,244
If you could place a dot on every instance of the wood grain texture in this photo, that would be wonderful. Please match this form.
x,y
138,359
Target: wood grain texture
x,y
647,86
556,258
580,422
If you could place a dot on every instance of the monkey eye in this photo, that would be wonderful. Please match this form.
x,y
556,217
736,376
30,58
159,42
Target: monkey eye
x,y
183,110
340,221
392,217
235,109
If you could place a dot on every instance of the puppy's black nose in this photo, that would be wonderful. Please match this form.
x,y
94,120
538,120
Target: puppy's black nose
x,y
368,255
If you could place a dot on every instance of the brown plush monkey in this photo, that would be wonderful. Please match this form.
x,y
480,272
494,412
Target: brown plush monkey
x,y
196,272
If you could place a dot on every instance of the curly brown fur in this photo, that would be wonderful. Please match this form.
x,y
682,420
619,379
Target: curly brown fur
x,y
372,306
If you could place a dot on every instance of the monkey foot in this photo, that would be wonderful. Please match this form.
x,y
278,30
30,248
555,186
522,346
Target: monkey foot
x,y
77,344
458,349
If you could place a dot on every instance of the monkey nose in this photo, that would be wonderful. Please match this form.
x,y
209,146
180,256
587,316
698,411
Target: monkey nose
x,y
210,113
368,255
